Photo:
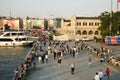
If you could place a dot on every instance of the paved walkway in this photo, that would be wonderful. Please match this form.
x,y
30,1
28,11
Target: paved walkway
x,y
51,70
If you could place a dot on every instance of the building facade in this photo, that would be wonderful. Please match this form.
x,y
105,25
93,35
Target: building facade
x,y
1,25
55,23
34,23
15,24
81,27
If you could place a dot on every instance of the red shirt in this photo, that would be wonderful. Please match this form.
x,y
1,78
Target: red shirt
x,y
108,72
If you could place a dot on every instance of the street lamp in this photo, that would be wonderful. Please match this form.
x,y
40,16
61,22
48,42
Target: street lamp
x,y
75,29
74,32
111,18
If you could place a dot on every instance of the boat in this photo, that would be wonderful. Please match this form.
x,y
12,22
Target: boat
x,y
14,38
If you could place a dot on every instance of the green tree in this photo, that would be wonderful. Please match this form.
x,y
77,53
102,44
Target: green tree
x,y
7,27
105,23
36,27
116,23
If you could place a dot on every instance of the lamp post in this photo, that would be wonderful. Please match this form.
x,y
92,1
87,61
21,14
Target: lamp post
x,y
75,26
111,18
74,32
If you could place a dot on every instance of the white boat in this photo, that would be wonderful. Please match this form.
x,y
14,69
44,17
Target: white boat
x,y
14,38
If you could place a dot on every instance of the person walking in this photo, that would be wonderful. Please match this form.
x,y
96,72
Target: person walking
x,y
46,58
89,61
59,61
43,57
73,52
108,73
96,77
16,73
55,54
100,74
39,59
72,68
34,65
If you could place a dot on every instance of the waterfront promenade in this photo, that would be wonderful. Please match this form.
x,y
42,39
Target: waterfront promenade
x,y
51,70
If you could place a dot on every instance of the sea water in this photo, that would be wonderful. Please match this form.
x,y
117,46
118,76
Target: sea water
x,y
10,58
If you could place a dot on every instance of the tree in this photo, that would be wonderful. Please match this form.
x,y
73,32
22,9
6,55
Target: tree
x,y
7,27
116,23
0,17
105,23
36,27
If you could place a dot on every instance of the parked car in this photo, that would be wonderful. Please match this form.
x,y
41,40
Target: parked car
x,y
85,39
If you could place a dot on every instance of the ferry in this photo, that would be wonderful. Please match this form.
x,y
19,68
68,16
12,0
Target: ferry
x,y
14,38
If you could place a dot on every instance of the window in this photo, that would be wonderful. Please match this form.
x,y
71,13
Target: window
x,y
24,39
14,34
69,24
84,32
90,23
8,34
97,24
78,23
84,23
96,32
90,32
21,39
79,32
6,40
20,34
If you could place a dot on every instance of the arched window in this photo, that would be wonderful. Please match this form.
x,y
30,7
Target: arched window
x,y
96,32
79,32
84,32
90,32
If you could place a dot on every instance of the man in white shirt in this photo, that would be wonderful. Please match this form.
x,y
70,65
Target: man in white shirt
x,y
72,68
96,77
100,74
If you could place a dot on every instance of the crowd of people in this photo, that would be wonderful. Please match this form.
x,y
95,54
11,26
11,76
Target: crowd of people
x,y
22,69
105,55
99,75
44,47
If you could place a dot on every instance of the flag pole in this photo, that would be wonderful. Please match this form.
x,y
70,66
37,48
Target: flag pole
x,y
111,17
117,5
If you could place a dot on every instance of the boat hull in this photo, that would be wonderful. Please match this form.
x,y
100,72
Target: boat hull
x,y
10,44
14,38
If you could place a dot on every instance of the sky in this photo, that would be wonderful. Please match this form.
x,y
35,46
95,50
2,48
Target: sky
x,y
55,8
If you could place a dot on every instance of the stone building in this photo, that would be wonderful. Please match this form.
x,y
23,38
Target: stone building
x,y
81,27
